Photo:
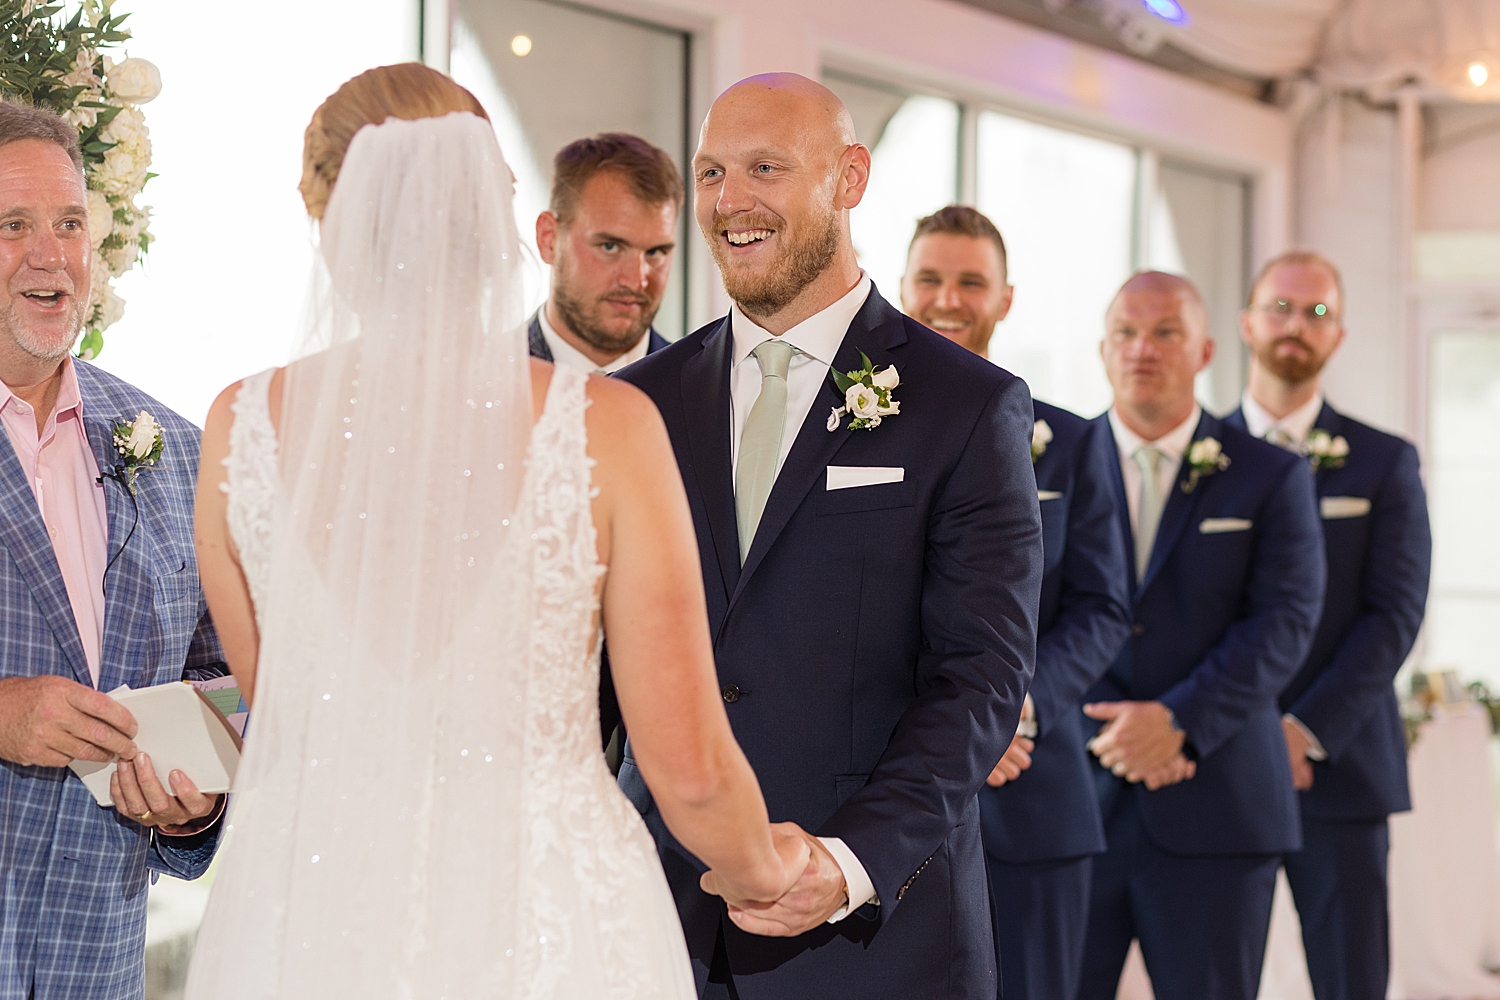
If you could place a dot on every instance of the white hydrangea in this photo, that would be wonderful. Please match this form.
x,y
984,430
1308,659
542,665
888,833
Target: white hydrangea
x,y
123,172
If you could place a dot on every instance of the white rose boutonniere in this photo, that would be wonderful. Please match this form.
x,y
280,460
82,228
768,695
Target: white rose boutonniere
x,y
867,396
1041,436
1205,457
1324,451
140,443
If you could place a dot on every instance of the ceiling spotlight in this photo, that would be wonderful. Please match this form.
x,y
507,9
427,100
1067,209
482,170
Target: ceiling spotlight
x,y
1479,74
521,45
1167,10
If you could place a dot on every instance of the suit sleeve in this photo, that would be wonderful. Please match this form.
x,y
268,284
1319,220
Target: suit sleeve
x,y
1393,597
1093,619
981,588
1283,598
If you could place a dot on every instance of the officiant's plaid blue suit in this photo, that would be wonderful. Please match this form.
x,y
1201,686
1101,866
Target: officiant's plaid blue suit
x,y
73,876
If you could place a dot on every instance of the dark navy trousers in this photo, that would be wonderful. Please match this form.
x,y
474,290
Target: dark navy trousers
x,y
1339,884
1041,912
1201,921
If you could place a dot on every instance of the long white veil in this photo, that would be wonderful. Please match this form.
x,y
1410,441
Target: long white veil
x,y
374,849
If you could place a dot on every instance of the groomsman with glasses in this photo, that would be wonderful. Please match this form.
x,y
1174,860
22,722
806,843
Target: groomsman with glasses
x,y
1343,728
1226,587
1039,815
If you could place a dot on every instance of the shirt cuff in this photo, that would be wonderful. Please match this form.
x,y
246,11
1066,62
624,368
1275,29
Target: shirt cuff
x,y
1315,749
856,880
1027,727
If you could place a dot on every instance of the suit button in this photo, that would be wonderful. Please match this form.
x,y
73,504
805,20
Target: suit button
x,y
731,693
1137,629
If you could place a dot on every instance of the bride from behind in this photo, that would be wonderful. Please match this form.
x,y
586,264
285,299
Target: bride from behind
x,y
409,538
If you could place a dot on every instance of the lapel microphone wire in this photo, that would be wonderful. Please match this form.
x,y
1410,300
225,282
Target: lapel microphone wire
x,y
118,475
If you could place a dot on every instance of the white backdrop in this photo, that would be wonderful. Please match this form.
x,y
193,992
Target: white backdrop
x,y
220,294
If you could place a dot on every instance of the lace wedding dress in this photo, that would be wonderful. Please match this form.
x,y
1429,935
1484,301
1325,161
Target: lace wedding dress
x,y
423,809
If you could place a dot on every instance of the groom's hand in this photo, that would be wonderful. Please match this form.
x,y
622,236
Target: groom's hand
x,y
814,897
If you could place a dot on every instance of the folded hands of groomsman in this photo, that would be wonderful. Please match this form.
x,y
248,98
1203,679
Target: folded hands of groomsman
x,y
1139,743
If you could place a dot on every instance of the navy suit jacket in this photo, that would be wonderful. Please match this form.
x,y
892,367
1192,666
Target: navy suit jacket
x,y
1378,567
1221,622
1051,811
609,704
874,650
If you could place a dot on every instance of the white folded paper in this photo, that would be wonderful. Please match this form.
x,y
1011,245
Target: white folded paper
x,y
181,730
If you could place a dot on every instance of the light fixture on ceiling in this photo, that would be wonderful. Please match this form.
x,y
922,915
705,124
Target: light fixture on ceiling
x,y
1167,10
521,45
1479,74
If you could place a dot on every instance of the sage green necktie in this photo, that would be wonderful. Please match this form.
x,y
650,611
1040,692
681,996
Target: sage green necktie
x,y
1148,511
760,445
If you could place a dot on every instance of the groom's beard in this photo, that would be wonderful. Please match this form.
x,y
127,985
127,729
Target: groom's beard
x,y
798,265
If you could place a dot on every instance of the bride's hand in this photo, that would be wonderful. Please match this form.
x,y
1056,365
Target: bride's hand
x,y
770,883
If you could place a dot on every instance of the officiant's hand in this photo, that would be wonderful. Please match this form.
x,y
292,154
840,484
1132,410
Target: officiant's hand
x,y
1138,738
1017,759
138,794
817,894
50,721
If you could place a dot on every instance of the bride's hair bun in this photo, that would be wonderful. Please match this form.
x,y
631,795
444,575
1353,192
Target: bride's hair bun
x,y
405,90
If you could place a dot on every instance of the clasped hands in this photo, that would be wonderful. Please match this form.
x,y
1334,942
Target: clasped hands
x,y
51,721
1139,743
812,889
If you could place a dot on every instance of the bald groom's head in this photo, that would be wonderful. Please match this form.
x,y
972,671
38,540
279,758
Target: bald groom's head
x,y
776,172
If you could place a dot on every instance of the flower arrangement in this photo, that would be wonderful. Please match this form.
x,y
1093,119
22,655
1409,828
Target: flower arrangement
x,y
54,61
867,396
1041,437
1325,451
140,443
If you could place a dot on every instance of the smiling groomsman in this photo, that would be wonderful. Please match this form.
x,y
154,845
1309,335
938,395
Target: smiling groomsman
x,y
1040,816
1343,728
1226,587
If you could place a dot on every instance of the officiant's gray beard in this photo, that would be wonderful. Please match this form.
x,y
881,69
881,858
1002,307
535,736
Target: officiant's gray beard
x,y
44,348
799,265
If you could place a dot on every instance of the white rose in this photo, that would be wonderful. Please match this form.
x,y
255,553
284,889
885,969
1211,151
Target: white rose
x,y
887,379
1204,452
101,218
1338,448
862,401
106,307
142,435
135,81
1041,434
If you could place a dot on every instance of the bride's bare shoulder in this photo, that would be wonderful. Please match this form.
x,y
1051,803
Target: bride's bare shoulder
x,y
221,413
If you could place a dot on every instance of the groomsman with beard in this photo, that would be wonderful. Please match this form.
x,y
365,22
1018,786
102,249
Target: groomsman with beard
x,y
1041,827
609,234
1343,728
872,558
1226,587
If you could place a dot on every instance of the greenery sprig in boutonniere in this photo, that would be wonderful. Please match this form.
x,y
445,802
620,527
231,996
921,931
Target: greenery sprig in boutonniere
x,y
140,443
1205,457
1041,436
1324,451
867,396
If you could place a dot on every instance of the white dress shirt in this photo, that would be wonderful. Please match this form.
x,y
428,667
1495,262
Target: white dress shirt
x,y
1296,426
816,339
565,354
1173,445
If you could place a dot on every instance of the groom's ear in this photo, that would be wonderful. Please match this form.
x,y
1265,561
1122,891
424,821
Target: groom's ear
x,y
547,228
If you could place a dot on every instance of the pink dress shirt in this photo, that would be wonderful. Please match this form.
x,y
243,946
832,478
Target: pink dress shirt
x,y
63,473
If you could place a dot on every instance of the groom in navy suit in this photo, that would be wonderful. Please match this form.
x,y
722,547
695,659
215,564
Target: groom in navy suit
x,y
1040,816
872,558
1344,736
1226,587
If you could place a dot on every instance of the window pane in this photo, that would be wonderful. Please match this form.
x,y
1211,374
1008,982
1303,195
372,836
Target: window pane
x,y
1064,204
582,73
913,142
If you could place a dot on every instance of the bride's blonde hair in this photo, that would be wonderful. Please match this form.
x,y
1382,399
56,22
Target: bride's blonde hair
x,y
405,90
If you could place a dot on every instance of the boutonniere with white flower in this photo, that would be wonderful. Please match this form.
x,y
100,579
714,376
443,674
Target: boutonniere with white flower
x,y
1205,457
867,396
1324,451
140,443
1041,436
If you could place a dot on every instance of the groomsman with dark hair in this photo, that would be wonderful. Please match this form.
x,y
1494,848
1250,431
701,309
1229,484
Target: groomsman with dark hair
x,y
1226,587
1039,815
1343,728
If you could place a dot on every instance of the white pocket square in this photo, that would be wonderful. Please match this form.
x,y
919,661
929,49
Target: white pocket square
x,y
1333,508
842,477
1048,495
1220,525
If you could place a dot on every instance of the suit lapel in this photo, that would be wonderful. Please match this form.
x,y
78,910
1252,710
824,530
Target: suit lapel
x,y
536,343
1181,504
876,329
706,405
